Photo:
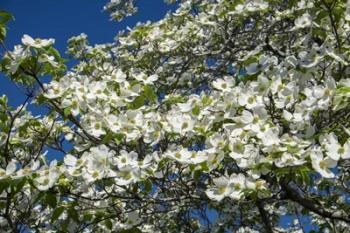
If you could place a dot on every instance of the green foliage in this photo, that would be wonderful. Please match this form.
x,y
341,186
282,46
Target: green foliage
x,y
5,17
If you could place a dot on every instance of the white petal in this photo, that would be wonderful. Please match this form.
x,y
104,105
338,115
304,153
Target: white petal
x,y
27,40
11,168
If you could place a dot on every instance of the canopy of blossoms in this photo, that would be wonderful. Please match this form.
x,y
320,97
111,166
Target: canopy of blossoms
x,y
225,116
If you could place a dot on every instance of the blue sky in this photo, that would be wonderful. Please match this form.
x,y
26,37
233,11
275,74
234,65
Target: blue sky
x,y
62,19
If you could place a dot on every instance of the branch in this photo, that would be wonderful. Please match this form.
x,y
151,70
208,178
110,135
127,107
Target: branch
x,y
43,140
53,103
13,118
274,51
264,216
310,204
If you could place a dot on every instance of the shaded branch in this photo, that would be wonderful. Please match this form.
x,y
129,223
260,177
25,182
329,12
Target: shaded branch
x,y
264,216
311,205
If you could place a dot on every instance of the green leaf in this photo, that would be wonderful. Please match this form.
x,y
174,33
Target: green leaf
x,y
138,102
4,184
3,101
118,138
343,90
87,217
40,195
51,200
197,175
73,214
3,32
109,224
18,185
196,110
55,53
292,149
174,100
204,166
131,230
5,17
109,136
67,111
150,94
148,186
162,163
57,213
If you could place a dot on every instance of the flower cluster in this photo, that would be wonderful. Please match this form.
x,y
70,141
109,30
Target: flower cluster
x,y
236,107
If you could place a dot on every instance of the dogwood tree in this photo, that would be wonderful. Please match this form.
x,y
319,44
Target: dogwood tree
x,y
224,116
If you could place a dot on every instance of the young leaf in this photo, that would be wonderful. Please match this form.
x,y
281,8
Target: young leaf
x,y
57,213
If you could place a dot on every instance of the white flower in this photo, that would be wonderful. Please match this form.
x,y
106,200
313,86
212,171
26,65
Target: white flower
x,y
334,149
36,43
345,150
244,155
197,157
97,90
48,177
261,65
271,138
214,158
225,84
53,90
113,122
185,107
286,93
237,182
98,163
335,56
221,189
180,123
167,45
227,187
73,104
127,177
247,230
73,164
288,159
238,148
321,164
332,146
252,183
217,141
142,77
246,118
129,92
347,13
132,118
250,99
147,161
44,58
182,155
252,68
10,169
127,161
95,128
133,218
303,21
29,169
118,76
17,56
